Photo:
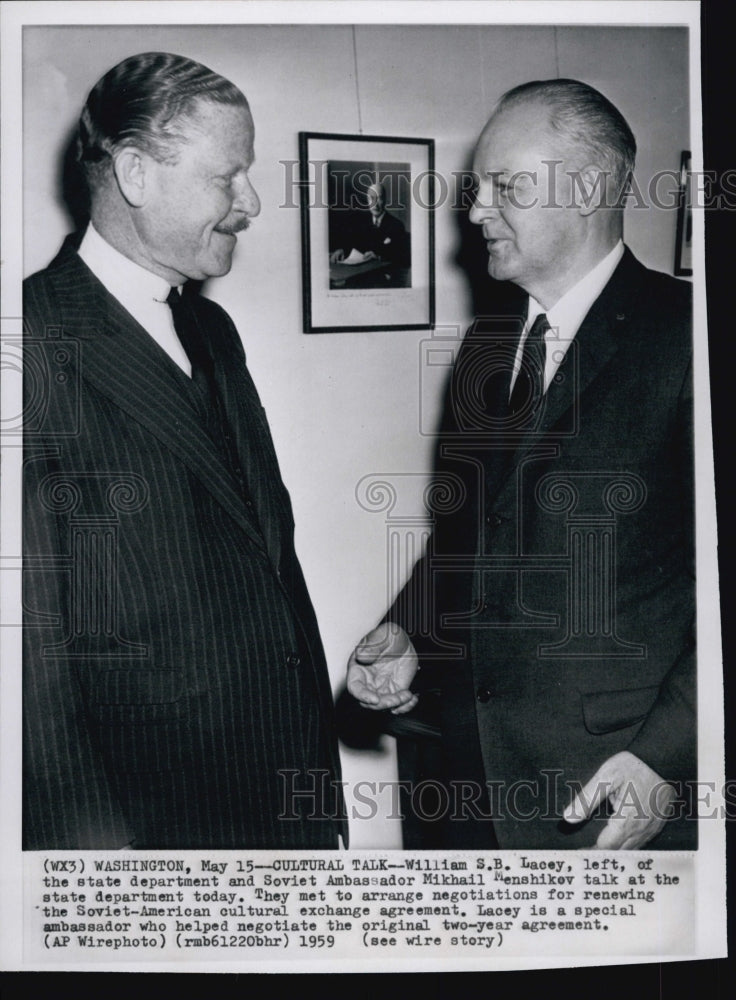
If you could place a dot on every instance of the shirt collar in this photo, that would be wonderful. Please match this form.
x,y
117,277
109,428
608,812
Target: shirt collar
x,y
568,313
127,281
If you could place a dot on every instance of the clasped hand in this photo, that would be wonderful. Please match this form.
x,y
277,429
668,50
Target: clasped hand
x,y
381,669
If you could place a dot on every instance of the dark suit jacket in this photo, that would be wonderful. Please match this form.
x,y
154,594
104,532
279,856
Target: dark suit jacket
x,y
388,240
174,680
561,583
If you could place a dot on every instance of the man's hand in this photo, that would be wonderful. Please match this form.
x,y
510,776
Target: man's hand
x,y
337,256
641,800
381,669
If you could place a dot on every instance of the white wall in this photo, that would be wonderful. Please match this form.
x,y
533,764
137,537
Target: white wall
x,y
342,406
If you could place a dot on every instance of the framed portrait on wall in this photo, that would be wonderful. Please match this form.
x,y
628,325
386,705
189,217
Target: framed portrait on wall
x,y
367,214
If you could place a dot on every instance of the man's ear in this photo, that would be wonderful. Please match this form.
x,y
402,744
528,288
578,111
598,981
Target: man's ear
x,y
130,168
590,189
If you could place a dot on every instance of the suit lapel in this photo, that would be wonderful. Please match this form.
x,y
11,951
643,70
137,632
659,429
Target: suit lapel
x,y
594,346
255,450
126,365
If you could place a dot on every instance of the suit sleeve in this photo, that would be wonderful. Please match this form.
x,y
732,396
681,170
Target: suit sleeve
x,y
68,799
667,741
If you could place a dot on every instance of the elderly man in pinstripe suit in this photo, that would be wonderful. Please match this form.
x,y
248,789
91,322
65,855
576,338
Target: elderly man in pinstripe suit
x,y
175,689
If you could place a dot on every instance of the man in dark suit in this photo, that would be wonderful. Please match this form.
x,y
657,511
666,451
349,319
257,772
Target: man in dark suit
x,y
382,233
175,689
378,235
560,581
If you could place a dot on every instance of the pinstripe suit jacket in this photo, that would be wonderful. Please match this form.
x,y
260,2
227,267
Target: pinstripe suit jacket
x,y
175,685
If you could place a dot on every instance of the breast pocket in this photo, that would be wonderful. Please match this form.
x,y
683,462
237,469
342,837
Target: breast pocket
x,y
138,696
608,711
144,719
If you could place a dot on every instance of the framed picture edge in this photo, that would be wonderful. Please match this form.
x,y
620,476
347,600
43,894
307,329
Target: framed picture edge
x,y
682,210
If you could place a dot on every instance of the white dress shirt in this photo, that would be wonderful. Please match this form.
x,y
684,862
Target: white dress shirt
x,y
139,291
567,314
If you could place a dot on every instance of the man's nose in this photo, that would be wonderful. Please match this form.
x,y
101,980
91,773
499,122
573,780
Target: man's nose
x,y
246,198
482,208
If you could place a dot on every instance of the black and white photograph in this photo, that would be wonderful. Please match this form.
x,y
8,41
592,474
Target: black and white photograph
x,y
360,595
368,215
367,232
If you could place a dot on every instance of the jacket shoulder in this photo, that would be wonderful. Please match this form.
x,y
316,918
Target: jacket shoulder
x,y
661,306
40,298
668,292
38,281
41,290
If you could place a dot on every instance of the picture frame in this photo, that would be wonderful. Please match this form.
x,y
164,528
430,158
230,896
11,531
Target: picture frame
x,y
684,232
367,232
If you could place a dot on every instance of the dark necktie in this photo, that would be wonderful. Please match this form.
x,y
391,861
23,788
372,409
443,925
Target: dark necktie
x,y
529,385
203,376
188,332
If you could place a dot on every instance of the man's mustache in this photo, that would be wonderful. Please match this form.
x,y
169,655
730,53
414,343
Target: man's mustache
x,y
237,226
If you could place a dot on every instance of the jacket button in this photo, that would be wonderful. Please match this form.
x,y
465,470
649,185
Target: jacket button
x,y
494,519
483,695
292,660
